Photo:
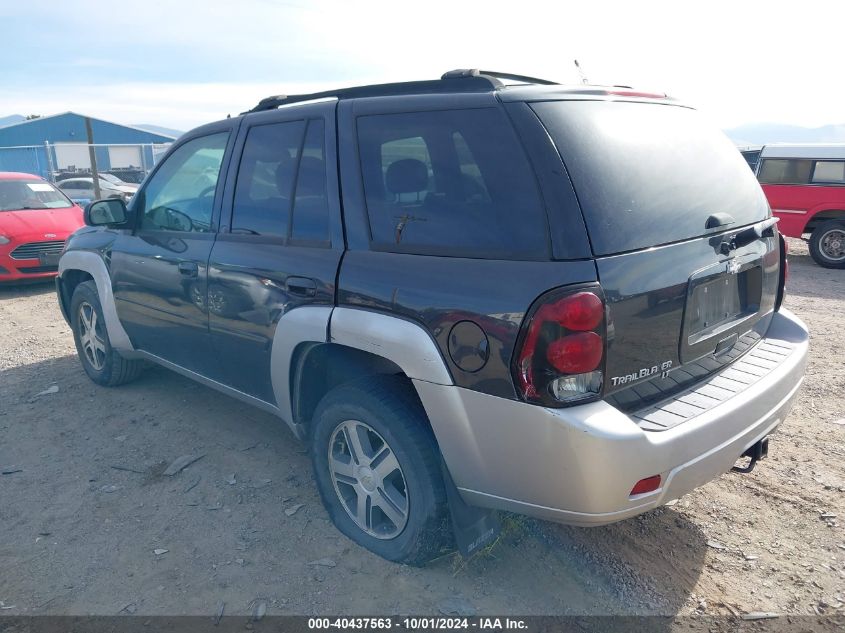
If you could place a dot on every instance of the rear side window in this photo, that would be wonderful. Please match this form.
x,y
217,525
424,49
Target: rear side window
x,y
450,183
829,171
785,171
264,189
648,173
281,186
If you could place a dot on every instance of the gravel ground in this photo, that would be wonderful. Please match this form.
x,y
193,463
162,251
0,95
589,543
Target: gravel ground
x,y
91,524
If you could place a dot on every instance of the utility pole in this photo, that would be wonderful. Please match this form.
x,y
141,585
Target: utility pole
x,y
92,155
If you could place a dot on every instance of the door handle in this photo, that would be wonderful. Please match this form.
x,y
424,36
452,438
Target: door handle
x,y
301,286
188,269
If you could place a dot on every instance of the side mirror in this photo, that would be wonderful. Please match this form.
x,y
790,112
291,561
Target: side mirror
x,y
110,212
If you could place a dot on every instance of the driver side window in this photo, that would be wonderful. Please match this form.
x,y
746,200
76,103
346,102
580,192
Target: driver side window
x,y
180,195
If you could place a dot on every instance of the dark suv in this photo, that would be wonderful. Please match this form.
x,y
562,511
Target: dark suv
x,y
466,296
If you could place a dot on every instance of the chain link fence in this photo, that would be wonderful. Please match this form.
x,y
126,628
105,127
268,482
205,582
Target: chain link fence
x,y
59,161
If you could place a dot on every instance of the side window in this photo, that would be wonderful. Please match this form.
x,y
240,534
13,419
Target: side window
x,y
180,195
450,182
264,189
311,207
785,171
829,171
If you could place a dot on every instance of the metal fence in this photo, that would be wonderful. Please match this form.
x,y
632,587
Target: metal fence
x,y
57,161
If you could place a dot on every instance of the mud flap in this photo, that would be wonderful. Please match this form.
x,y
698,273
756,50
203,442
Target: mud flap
x,y
474,527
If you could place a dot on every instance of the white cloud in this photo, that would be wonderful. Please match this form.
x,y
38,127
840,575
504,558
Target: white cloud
x,y
737,61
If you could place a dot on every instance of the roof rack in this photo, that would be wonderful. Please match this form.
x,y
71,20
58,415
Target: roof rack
x,y
460,80
496,75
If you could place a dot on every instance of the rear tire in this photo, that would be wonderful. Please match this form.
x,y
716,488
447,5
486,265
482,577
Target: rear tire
x,y
377,468
99,360
827,244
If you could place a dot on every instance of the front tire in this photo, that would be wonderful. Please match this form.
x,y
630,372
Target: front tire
x,y
377,468
99,360
827,244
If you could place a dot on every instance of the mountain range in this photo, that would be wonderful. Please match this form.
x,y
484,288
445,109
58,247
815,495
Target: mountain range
x,y
762,133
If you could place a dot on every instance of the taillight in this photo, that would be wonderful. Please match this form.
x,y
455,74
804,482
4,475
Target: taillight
x,y
561,349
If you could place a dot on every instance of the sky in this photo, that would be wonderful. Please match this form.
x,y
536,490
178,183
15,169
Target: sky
x,y
181,63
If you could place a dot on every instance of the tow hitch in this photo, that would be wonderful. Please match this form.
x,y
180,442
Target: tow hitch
x,y
754,453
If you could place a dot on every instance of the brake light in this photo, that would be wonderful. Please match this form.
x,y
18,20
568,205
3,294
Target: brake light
x,y
637,93
562,348
576,353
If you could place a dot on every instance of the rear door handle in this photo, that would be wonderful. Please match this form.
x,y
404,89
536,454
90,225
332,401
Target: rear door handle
x,y
301,286
188,269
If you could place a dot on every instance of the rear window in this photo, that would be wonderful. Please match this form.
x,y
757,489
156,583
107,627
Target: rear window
x,y
31,194
450,183
649,174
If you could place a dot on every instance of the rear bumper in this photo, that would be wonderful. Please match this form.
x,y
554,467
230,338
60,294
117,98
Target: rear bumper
x,y
578,465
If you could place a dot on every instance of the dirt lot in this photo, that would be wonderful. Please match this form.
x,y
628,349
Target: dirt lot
x,y
87,505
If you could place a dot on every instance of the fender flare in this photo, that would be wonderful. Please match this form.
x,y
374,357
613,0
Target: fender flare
x,y
403,342
93,264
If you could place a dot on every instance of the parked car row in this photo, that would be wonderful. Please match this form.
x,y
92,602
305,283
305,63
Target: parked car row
x,y
82,187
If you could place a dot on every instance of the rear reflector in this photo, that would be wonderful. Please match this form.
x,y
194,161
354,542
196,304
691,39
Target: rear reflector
x,y
649,484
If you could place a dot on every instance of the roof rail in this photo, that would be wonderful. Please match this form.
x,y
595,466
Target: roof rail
x,y
461,80
496,75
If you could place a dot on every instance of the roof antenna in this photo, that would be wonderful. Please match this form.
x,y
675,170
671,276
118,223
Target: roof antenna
x,y
584,79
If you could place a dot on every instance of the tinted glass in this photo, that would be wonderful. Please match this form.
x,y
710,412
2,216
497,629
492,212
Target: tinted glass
x,y
452,183
311,208
752,158
649,174
180,195
829,171
264,189
30,194
785,171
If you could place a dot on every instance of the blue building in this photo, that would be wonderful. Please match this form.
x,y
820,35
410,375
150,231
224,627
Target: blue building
x,y
57,144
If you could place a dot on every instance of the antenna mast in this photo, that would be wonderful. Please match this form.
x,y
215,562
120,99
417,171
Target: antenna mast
x,y
584,79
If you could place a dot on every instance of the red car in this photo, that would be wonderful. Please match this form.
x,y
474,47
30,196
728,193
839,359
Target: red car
x,y
805,186
35,220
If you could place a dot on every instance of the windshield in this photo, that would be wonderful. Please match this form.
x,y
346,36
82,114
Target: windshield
x,y
30,194
649,174
112,179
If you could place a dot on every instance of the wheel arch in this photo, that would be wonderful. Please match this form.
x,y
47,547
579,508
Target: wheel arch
x,y
823,216
316,349
78,266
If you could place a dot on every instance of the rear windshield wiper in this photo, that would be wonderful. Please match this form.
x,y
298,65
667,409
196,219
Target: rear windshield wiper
x,y
749,235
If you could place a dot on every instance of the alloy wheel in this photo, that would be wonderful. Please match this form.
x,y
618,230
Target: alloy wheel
x,y
91,336
368,479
